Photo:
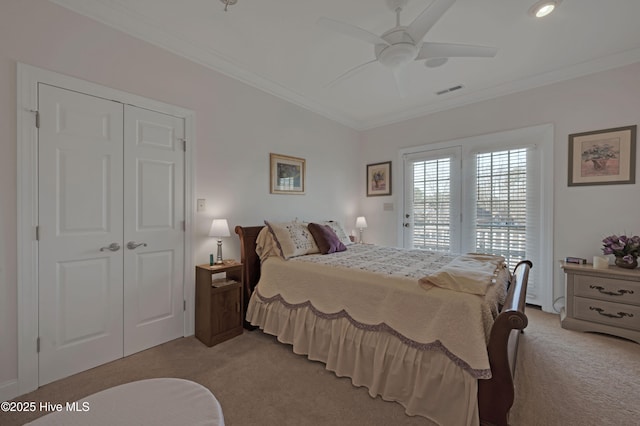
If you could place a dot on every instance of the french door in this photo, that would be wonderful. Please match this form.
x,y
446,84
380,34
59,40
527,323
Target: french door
x,y
111,240
489,215
432,200
478,198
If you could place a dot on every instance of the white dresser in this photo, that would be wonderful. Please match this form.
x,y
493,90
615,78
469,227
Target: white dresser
x,y
602,300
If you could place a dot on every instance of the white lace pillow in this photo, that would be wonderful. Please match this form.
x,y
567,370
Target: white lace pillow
x,y
293,238
339,230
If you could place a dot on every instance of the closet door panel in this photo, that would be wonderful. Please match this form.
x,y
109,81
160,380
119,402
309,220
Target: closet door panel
x,y
80,214
153,229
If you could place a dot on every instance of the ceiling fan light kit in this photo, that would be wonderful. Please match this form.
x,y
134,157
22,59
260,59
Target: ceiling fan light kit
x,y
543,8
400,50
435,62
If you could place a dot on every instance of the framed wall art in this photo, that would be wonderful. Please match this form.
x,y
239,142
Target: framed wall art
x,y
379,179
287,174
603,157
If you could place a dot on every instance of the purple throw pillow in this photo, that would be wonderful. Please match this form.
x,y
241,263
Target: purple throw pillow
x,y
326,240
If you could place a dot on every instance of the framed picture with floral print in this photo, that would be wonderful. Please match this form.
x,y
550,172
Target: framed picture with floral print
x,y
603,157
379,179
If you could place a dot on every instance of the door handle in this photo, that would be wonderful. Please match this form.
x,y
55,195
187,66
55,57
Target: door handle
x,y
132,245
112,247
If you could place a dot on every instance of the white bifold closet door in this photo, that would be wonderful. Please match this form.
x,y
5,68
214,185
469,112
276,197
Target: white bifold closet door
x,y
111,239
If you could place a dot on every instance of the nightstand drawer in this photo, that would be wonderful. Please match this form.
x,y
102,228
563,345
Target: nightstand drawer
x,y
611,289
615,314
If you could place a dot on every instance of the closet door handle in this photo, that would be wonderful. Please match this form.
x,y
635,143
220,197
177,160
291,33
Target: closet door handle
x,y
112,247
132,245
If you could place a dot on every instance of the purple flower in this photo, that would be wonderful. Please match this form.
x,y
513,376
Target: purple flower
x,y
622,246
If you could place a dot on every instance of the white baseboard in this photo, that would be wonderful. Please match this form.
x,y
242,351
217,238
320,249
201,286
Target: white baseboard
x,y
8,390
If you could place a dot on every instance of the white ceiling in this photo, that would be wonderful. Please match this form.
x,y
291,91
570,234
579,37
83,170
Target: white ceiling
x,y
277,46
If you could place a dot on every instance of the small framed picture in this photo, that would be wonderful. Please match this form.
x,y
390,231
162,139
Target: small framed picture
x,y
379,179
287,174
603,157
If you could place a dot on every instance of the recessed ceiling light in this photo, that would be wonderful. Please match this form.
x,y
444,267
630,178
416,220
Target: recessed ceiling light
x,y
543,8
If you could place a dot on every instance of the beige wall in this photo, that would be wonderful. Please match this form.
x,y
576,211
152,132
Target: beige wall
x,y
237,127
582,215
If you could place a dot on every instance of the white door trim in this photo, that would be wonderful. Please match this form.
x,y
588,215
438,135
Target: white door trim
x,y
28,78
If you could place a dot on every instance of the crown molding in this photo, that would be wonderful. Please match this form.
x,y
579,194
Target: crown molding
x,y
606,63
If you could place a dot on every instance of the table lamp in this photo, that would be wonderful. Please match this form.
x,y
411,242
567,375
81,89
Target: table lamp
x,y
219,229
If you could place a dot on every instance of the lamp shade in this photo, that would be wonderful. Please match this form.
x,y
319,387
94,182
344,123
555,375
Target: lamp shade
x,y
219,228
361,222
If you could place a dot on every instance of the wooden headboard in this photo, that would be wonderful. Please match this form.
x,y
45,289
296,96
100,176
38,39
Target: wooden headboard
x,y
249,258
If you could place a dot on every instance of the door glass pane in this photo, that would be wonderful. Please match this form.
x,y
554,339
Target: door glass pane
x,y
501,204
432,204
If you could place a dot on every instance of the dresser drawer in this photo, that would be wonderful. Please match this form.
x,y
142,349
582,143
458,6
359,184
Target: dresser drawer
x,y
615,314
611,289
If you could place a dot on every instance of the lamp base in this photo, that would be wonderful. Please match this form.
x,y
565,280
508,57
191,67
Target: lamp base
x,y
219,254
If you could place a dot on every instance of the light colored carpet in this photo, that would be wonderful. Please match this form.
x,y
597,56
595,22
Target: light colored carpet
x,y
563,378
571,378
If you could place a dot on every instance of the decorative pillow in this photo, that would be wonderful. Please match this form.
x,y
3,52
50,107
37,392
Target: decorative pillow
x,y
293,238
326,239
339,231
266,246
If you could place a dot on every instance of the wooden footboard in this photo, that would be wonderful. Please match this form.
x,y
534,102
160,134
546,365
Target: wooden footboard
x,y
496,395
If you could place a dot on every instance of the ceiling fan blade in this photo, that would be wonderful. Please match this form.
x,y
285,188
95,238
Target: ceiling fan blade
x,y
427,19
352,31
398,77
451,50
349,73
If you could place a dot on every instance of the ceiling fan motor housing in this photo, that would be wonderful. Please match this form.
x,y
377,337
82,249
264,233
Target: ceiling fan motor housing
x,y
400,51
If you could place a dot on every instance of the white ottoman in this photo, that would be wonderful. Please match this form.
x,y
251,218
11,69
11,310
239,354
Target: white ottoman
x,y
145,402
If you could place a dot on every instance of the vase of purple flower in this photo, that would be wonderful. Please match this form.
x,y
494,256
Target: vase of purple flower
x,y
625,249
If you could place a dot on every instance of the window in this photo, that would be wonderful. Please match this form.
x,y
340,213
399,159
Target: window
x,y
484,194
501,204
432,204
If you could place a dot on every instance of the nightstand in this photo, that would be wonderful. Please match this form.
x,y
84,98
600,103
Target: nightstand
x,y
219,302
602,300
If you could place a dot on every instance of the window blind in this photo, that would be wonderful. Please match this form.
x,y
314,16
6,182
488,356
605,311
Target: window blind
x,y
500,201
432,204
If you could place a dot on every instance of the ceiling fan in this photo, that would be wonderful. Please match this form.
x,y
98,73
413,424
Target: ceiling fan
x,y
402,45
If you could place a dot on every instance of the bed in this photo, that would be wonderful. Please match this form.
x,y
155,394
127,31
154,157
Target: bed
x,y
374,323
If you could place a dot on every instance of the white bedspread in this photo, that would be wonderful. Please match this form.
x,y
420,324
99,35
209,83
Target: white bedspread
x,y
389,299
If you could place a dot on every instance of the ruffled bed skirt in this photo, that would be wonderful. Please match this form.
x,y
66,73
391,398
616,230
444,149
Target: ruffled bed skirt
x,y
426,382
